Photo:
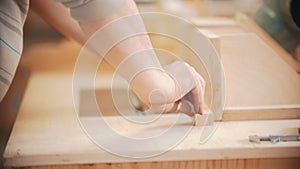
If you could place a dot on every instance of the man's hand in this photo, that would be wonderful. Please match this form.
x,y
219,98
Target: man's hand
x,y
191,87
179,88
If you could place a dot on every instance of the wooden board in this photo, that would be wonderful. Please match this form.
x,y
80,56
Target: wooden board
x,y
255,75
241,23
60,56
226,8
47,132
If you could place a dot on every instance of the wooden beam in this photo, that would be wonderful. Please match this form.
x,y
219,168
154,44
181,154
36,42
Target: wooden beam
x,y
262,112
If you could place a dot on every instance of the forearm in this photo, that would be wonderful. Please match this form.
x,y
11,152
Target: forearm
x,y
113,40
143,71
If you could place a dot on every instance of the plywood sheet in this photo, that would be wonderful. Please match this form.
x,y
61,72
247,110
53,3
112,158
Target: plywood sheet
x,y
255,75
242,23
47,132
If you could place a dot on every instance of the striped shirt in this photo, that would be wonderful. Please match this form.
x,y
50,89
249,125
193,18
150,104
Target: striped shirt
x,y
12,17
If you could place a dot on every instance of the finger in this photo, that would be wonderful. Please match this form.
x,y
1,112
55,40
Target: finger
x,y
187,108
201,94
196,95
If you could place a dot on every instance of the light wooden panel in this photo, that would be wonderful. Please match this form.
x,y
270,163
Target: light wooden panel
x,y
60,56
255,75
242,23
47,132
262,112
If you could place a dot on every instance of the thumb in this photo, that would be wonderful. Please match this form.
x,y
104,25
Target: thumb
x,y
186,107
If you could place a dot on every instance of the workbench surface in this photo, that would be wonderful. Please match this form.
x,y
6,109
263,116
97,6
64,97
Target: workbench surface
x,y
47,132
262,85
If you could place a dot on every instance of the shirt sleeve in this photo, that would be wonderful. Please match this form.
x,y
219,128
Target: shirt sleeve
x,y
12,17
91,10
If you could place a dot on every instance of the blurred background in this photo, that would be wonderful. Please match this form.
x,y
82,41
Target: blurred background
x,y
280,19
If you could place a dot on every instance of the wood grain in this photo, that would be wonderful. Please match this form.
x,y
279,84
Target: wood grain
x,y
211,164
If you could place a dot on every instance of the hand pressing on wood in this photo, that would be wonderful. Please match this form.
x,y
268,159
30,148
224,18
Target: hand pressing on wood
x,y
176,88
190,87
